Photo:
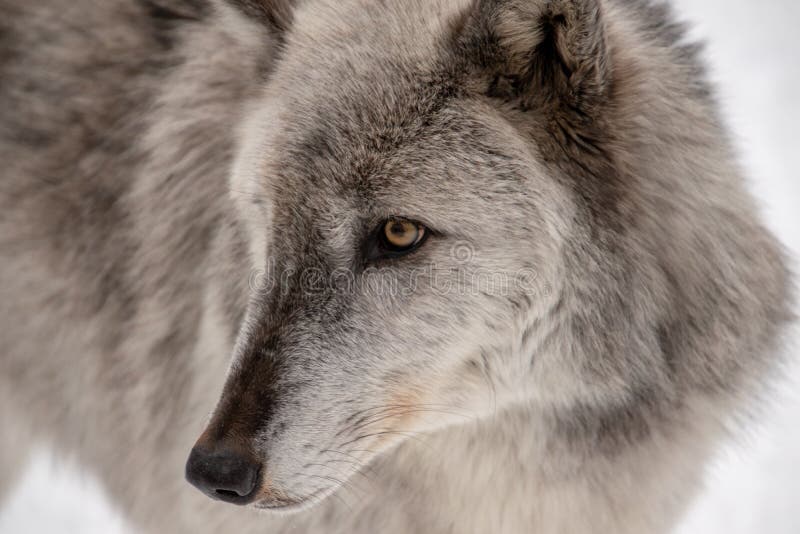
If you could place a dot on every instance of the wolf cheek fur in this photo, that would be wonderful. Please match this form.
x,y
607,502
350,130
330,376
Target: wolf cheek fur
x,y
576,140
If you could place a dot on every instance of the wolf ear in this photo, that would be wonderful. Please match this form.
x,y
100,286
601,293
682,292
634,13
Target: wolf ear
x,y
544,53
276,14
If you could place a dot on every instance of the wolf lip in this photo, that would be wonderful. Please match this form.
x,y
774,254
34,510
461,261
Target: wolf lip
x,y
295,505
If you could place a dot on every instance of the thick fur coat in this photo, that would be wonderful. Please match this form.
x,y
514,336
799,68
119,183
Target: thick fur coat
x,y
188,191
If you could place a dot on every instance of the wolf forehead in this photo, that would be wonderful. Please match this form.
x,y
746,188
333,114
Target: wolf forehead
x,y
368,94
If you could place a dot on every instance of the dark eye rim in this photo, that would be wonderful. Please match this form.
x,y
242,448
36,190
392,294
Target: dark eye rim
x,y
378,247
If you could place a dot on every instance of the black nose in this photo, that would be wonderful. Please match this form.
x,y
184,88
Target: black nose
x,y
223,473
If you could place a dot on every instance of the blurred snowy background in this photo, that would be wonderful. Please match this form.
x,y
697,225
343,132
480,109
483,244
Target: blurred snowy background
x,y
754,487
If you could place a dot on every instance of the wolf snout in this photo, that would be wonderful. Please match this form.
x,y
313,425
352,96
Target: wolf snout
x,y
224,472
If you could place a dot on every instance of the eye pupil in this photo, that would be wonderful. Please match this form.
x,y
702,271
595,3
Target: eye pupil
x,y
398,228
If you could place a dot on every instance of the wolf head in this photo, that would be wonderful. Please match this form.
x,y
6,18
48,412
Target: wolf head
x,y
455,207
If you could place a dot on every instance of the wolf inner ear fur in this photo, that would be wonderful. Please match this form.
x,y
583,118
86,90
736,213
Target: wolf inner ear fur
x,y
275,14
544,54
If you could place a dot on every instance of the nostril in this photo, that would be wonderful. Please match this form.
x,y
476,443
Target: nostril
x,y
227,493
223,473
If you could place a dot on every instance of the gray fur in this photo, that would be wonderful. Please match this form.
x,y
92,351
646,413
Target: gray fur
x,y
166,160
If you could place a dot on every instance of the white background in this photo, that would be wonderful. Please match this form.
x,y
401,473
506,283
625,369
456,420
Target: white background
x,y
754,487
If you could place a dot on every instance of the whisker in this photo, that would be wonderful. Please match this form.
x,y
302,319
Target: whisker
x,y
395,411
335,493
356,461
406,433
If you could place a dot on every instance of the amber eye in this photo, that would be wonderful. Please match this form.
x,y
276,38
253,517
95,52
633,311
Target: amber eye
x,y
401,234
394,238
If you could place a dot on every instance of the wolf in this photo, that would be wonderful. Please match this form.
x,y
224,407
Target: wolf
x,y
455,266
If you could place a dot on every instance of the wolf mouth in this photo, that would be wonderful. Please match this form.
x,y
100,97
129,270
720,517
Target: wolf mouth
x,y
291,506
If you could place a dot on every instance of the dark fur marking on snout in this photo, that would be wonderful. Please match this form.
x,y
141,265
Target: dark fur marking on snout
x,y
248,399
